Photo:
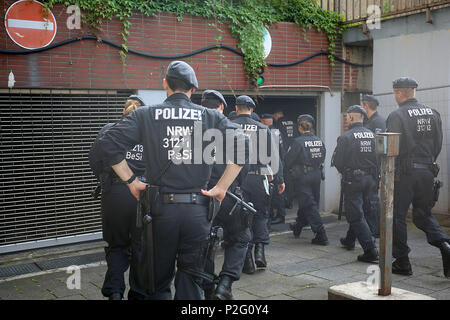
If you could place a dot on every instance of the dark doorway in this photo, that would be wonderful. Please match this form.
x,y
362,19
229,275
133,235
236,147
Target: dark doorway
x,y
291,106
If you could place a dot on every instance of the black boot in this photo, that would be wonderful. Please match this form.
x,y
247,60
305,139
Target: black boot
x,y
445,251
369,256
278,219
296,229
115,296
223,291
249,265
320,238
402,266
260,258
347,244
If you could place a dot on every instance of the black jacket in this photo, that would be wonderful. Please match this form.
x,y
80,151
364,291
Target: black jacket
x,y
306,150
355,149
172,130
421,131
376,123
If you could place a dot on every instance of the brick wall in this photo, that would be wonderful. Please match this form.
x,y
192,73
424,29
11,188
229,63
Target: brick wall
x,y
91,64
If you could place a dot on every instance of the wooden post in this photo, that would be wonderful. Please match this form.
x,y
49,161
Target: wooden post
x,y
387,147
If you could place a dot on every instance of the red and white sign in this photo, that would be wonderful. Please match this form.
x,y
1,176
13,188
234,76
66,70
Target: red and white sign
x,y
30,25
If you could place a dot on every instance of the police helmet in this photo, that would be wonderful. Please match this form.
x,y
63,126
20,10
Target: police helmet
x,y
404,82
182,71
245,101
305,117
357,109
213,94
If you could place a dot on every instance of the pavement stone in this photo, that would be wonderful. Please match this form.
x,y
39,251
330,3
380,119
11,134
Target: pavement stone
x,y
333,273
310,293
296,270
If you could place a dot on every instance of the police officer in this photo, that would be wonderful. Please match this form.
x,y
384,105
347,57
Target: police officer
x,y
277,200
236,230
232,115
288,132
374,122
118,214
420,144
170,135
355,159
305,160
256,186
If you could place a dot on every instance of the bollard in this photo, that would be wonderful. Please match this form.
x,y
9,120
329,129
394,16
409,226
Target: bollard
x,y
387,147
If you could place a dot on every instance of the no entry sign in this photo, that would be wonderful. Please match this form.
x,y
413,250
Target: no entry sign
x,y
30,25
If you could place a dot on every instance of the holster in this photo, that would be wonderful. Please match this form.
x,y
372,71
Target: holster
x,y
322,172
296,172
143,260
96,191
213,209
436,188
435,169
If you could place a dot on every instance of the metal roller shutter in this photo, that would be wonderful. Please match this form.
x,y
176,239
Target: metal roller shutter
x,y
45,179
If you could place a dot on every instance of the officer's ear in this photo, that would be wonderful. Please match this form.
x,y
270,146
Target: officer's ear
x,y
165,84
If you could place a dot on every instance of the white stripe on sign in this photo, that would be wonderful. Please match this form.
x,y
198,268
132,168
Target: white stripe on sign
x,y
30,24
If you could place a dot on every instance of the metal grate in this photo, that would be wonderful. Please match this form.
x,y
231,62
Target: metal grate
x,y
45,179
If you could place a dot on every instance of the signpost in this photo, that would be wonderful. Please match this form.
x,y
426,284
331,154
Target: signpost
x,y
30,25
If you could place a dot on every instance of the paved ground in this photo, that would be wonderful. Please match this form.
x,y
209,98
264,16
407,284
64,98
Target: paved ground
x,y
296,270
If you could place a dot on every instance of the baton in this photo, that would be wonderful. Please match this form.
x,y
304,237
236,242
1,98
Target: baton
x,y
247,206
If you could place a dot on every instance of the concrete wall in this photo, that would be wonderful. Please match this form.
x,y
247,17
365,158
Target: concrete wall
x,y
424,56
330,129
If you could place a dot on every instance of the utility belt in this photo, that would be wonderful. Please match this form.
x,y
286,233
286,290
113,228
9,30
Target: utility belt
x,y
404,166
351,175
187,198
259,172
154,198
297,171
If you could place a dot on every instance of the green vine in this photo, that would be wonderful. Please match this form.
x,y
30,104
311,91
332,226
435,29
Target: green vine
x,y
246,19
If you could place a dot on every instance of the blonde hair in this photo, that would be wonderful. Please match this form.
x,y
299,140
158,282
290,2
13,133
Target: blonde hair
x,y
130,106
305,125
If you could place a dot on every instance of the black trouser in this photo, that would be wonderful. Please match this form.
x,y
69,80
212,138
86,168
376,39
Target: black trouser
x,y
179,231
371,209
277,204
415,188
307,188
254,192
354,195
236,238
289,193
119,231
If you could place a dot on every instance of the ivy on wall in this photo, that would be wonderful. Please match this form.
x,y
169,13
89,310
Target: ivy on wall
x,y
246,19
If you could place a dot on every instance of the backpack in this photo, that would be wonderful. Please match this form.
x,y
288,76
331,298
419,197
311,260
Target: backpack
x,y
95,159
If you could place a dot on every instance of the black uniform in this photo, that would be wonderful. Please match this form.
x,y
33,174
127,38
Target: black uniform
x,y
180,226
236,234
304,160
355,158
118,221
277,200
288,131
376,123
420,144
253,186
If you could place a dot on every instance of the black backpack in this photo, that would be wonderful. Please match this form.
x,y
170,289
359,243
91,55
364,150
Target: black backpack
x,y
95,160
